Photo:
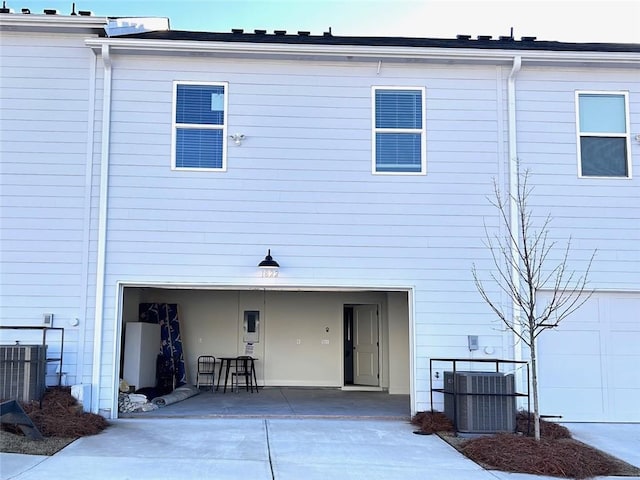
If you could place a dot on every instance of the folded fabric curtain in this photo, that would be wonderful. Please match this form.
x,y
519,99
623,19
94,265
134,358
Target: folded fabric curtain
x,y
171,354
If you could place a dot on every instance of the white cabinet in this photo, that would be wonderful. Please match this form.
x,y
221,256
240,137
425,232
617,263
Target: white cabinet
x,y
141,349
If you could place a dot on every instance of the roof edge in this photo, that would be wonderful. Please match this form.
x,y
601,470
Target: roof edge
x,y
31,22
327,38
363,52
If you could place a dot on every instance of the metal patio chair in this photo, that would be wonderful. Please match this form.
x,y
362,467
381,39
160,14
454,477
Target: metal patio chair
x,y
244,372
206,371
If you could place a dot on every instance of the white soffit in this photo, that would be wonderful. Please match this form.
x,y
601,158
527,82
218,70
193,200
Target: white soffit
x,y
363,53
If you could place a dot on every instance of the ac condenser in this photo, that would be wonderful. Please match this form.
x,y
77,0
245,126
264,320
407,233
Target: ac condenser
x,y
22,372
480,402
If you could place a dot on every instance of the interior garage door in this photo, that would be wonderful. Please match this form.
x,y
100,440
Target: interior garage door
x,y
589,367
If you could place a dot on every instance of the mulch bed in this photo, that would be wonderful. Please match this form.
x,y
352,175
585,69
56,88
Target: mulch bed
x,y
60,420
432,422
553,457
62,416
556,454
549,430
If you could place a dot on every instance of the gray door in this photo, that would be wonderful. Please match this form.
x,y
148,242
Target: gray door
x,y
366,345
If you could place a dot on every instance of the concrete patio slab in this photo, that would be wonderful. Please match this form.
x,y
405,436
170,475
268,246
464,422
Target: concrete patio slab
x,y
277,449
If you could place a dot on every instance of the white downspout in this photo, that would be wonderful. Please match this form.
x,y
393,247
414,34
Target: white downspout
x,y
86,234
102,229
513,206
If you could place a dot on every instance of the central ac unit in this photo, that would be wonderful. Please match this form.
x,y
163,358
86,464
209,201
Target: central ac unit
x,y
480,402
22,372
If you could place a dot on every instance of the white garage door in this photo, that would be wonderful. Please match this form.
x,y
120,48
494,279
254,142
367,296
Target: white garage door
x,y
589,367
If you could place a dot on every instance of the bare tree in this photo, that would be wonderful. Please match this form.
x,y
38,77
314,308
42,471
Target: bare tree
x,y
523,267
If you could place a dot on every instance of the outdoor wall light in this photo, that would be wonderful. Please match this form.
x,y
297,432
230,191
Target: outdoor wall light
x,y
237,138
269,266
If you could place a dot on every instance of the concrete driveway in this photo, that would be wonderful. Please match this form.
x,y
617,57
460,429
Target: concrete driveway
x,y
621,440
283,449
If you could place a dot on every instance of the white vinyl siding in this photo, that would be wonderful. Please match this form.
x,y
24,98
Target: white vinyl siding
x,y
199,126
603,134
45,96
600,214
399,136
303,186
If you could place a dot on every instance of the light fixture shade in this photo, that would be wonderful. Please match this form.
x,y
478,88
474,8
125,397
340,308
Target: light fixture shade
x,y
268,261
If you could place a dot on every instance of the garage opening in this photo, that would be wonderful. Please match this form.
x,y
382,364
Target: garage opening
x,y
298,338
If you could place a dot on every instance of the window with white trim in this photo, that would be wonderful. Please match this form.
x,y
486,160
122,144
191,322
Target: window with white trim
x,y
399,132
199,126
603,134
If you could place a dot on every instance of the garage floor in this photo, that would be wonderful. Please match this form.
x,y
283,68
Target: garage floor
x,y
286,402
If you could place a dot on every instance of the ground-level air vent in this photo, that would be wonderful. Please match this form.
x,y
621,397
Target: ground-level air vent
x,y
22,372
480,402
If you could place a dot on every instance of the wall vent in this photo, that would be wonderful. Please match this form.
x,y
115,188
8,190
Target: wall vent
x,y
480,402
22,372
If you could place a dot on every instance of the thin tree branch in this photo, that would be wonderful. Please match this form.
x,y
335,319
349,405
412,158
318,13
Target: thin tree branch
x,y
521,258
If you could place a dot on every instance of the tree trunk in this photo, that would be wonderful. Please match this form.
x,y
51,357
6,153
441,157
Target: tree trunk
x,y
534,379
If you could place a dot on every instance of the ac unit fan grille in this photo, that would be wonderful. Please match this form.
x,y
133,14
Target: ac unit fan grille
x,y
480,402
22,372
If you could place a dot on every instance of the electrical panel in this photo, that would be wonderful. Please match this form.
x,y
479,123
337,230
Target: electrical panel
x,y
251,326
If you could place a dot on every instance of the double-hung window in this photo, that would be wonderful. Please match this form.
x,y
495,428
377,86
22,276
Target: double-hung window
x,y
199,126
399,133
603,134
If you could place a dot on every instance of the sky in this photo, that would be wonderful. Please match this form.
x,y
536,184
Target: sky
x,y
616,21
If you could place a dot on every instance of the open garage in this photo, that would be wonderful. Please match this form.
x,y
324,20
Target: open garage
x,y
348,340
